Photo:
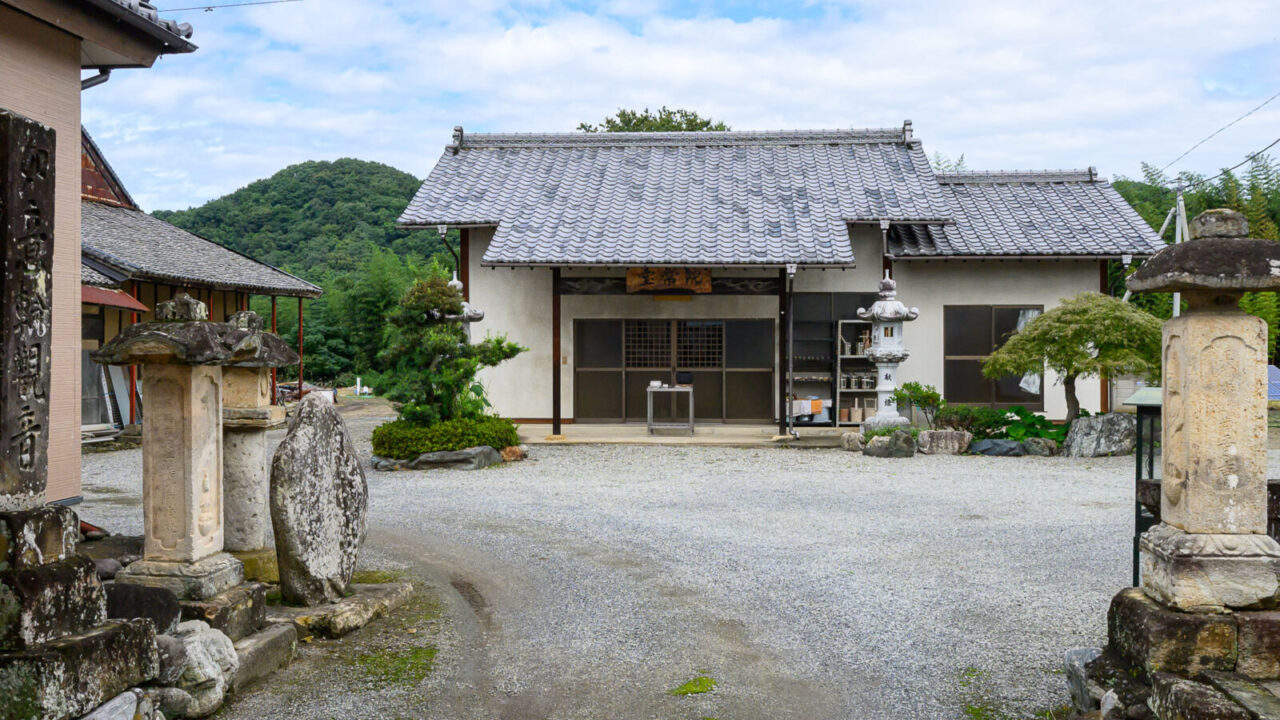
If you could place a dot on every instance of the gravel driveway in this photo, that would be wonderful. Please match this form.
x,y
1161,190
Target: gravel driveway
x,y
591,580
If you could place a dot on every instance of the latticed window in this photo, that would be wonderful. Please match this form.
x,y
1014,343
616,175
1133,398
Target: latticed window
x,y
699,344
647,343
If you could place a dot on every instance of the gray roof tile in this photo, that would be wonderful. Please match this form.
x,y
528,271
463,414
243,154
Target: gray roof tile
x,y
148,248
1056,212
89,276
687,198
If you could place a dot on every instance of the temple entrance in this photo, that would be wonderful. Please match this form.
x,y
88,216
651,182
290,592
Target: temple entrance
x,y
728,362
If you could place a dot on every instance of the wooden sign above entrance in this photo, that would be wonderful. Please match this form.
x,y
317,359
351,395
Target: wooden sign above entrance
x,y
694,280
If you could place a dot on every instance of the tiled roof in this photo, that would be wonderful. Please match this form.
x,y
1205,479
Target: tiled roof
x,y
143,15
1050,213
89,276
148,248
686,198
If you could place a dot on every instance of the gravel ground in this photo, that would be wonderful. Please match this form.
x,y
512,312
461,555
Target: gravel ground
x,y
591,580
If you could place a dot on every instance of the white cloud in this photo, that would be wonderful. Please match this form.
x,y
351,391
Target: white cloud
x,y
1009,84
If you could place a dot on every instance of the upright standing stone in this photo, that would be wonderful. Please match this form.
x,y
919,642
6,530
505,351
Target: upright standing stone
x,y
247,414
318,503
1211,550
887,350
26,297
181,358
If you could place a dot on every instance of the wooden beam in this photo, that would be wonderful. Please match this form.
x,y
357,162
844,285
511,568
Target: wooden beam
x,y
555,351
782,352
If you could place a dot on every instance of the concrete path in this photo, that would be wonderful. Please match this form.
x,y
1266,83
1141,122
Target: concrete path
x,y
592,580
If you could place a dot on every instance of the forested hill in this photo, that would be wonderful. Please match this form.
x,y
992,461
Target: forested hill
x,y
314,218
332,223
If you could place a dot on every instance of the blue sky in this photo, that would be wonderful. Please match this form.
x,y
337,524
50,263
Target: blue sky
x,y
1011,84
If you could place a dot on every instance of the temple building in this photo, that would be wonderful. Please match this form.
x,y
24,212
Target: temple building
x,y
624,258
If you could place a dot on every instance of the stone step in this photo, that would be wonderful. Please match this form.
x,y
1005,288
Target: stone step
x,y
264,652
238,612
126,601
72,675
48,601
334,620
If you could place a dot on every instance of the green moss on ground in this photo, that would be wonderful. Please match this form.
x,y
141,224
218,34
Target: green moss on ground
x,y
398,666
696,686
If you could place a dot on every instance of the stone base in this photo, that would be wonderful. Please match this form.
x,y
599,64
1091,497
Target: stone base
x,y
37,537
262,653
237,612
1210,573
72,675
259,565
44,602
876,422
347,615
191,581
1154,638
261,418
1183,699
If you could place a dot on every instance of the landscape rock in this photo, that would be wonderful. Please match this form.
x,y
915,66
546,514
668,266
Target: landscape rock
x,y
1001,448
319,498
898,445
1101,435
475,458
1177,697
43,602
160,605
1154,638
171,701
512,454
210,667
334,620
1074,662
1041,447
107,568
853,441
263,653
944,442
237,612
121,707
172,653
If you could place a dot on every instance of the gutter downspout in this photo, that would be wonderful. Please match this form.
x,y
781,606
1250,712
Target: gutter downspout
x,y
96,80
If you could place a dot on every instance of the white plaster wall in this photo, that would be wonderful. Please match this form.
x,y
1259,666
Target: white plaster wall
x,y
518,302
932,284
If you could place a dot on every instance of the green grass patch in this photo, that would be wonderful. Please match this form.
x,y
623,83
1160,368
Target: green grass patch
x,y
398,666
376,577
696,686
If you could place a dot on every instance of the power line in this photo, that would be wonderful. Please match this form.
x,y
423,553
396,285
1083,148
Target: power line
x,y
1219,130
1248,159
209,8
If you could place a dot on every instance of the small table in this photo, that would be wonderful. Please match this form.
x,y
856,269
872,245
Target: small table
x,y
649,393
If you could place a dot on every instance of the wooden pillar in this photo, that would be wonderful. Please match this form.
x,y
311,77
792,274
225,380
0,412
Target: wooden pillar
x,y
464,262
133,369
273,332
782,352
555,351
300,393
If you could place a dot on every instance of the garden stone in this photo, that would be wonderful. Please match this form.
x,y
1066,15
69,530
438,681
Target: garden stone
x,y
173,658
898,445
1101,435
512,454
944,442
210,667
1074,662
319,498
1042,447
107,568
1175,697
159,605
476,458
853,441
1002,448
121,707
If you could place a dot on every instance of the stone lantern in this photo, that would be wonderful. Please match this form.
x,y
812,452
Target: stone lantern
x,y
247,414
1200,638
887,350
181,355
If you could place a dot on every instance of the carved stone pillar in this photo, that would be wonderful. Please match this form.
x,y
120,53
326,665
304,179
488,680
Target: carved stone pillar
x,y
247,414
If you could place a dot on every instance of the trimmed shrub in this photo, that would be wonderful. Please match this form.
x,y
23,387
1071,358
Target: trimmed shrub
x,y
401,439
911,430
983,422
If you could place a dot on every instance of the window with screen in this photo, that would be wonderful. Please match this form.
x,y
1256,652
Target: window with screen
x,y
970,334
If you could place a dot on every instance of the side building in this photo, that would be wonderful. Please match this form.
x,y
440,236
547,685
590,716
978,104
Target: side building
x,y
624,258
130,262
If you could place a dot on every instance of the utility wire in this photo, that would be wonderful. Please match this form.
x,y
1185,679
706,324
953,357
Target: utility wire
x,y
1219,130
1248,159
209,8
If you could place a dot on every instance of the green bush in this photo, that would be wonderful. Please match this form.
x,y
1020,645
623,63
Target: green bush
x,y
924,398
983,422
1026,424
402,439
